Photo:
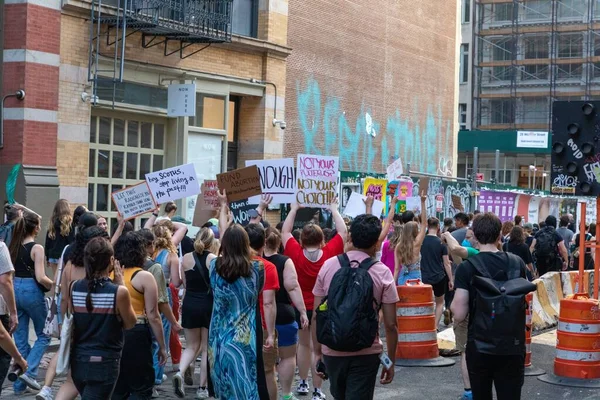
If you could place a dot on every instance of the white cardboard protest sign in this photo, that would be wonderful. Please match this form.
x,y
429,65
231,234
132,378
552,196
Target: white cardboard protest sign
x,y
317,180
173,183
395,170
356,206
134,200
413,204
277,178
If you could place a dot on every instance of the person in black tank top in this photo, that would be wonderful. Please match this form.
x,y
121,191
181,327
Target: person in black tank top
x,y
29,284
196,313
101,309
285,321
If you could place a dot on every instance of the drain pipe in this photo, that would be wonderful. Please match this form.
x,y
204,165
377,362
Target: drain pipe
x,y
20,95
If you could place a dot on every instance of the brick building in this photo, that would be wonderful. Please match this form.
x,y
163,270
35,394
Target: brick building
x,y
373,81
80,136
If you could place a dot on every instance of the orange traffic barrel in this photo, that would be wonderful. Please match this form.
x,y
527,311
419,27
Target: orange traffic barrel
x,y
577,361
417,330
529,369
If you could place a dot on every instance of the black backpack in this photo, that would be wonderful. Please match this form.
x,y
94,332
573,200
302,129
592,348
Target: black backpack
x,y
498,320
347,318
545,247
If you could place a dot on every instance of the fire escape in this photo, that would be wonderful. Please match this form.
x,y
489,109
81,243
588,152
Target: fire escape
x,y
183,27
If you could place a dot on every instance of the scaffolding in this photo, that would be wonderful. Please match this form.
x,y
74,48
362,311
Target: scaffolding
x,y
528,53
175,24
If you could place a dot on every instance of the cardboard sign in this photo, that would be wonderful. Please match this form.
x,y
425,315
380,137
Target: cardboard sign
x,y
240,211
277,178
424,185
395,170
413,204
134,200
457,203
202,214
210,198
356,206
316,180
240,184
173,183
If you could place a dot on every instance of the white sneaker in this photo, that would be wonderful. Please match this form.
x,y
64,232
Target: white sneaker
x,y
202,393
155,393
164,377
29,381
303,388
178,385
44,394
318,395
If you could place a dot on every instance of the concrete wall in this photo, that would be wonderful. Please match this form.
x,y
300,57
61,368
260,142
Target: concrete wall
x,y
373,81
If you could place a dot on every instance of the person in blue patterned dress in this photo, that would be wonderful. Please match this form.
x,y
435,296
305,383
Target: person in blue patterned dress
x,y
236,281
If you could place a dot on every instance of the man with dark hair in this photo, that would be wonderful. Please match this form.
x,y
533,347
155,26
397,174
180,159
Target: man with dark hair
x,y
353,374
267,359
408,216
488,366
548,247
564,232
436,269
461,221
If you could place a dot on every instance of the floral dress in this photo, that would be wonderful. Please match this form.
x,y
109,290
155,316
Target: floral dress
x,y
232,347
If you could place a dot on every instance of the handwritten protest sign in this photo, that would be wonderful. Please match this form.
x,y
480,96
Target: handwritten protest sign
x,y
356,206
210,198
413,204
277,178
316,180
394,170
134,200
173,183
240,184
377,188
240,209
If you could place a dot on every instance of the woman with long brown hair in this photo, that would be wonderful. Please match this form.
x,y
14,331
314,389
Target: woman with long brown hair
x,y
60,233
408,249
516,245
30,283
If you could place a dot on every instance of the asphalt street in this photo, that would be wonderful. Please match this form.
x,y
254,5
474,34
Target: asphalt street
x,y
426,383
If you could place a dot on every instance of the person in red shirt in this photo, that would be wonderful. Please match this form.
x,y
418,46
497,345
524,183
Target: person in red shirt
x,y
308,257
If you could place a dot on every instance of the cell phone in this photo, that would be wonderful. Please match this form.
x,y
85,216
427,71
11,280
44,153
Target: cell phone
x,y
322,369
385,361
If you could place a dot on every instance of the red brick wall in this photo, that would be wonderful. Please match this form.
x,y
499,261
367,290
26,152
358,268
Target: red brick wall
x,y
372,81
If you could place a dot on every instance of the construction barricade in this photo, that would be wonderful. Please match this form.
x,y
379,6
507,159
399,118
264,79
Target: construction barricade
x,y
577,361
417,329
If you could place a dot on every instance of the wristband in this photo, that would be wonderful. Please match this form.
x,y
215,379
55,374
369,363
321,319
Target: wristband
x,y
155,214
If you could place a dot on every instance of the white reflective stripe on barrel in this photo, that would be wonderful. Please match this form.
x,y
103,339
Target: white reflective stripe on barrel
x,y
578,355
417,337
527,347
570,327
528,319
414,311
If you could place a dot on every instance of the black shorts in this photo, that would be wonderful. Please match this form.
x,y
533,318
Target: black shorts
x,y
309,314
440,288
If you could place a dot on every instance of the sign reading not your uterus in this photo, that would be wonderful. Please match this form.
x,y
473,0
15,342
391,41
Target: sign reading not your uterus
x,y
173,183
316,180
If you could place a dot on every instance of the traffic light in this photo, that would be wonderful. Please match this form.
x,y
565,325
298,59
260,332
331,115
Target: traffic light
x,y
575,148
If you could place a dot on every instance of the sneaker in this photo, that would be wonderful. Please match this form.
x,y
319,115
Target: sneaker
x,y
29,381
466,396
164,377
188,376
202,393
155,393
303,388
318,395
44,394
178,385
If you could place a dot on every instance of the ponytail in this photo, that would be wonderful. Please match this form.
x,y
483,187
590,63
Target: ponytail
x,y
97,255
24,226
204,240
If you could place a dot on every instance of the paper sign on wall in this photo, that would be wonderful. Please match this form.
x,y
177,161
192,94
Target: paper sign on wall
x,y
376,188
181,100
316,180
356,206
395,170
173,183
134,200
413,204
277,178
240,184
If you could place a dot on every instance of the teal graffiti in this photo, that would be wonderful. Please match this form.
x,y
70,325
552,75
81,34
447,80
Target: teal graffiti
x,y
367,145
11,183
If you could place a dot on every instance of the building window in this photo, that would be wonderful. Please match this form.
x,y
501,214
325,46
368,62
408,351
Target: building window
x,y
122,151
245,17
210,112
132,93
501,49
502,73
536,47
502,111
534,72
462,116
569,71
466,11
503,12
464,63
233,132
570,45
505,176
536,10
572,9
535,110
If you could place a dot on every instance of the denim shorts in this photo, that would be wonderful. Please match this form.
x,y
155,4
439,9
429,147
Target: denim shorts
x,y
287,334
403,277
53,260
